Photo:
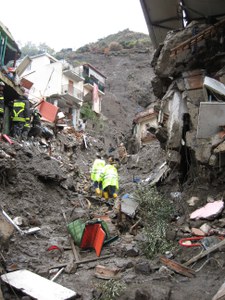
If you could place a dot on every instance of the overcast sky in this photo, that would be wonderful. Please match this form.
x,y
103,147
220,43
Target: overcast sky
x,y
70,23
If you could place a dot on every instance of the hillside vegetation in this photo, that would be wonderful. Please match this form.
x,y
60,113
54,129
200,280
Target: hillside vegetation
x,y
125,39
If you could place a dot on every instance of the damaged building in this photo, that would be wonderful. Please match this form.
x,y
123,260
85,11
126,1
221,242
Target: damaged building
x,y
189,83
64,86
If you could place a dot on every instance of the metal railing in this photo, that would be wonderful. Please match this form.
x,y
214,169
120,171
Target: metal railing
x,y
91,81
72,91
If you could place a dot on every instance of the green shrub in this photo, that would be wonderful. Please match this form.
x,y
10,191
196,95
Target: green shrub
x,y
155,211
87,112
111,290
114,46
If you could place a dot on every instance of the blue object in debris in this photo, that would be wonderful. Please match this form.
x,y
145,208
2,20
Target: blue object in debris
x,y
136,179
125,196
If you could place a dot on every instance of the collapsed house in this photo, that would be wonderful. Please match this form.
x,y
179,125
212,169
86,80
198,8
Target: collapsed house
x,y
189,85
64,86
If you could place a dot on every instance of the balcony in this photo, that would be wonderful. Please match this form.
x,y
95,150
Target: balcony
x,y
72,94
89,83
75,75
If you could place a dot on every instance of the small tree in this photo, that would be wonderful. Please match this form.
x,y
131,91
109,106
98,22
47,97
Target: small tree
x,y
31,49
87,112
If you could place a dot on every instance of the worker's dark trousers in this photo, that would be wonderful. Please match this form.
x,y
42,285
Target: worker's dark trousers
x,y
97,184
1,122
111,189
18,129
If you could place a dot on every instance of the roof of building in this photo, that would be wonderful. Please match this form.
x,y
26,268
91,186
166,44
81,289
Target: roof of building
x,y
146,114
165,15
92,67
45,54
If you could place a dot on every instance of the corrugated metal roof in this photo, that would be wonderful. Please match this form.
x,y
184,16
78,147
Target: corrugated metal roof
x,y
161,16
203,9
165,15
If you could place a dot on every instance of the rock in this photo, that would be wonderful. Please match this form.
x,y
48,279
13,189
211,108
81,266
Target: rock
x,y
128,238
165,271
130,251
185,229
205,228
192,201
129,278
153,292
71,267
181,220
142,295
140,237
79,213
143,267
171,234
160,86
6,231
198,232
124,264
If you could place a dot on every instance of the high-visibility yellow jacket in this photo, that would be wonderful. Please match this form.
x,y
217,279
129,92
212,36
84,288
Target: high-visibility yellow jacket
x,y
1,104
21,110
97,169
110,177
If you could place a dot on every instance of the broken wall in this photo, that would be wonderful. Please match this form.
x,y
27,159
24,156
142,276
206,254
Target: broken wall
x,y
187,70
177,107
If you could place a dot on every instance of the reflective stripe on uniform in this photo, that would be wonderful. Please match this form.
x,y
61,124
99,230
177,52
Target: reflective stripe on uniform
x,y
1,104
97,169
110,177
16,117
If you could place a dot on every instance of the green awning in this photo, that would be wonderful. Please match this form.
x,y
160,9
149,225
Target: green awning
x,y
11,44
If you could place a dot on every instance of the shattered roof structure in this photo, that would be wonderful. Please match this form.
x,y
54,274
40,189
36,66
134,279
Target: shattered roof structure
x,y
165,15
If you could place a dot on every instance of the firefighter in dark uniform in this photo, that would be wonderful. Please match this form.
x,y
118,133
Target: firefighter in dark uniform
x,y
21,116
35,130
2,105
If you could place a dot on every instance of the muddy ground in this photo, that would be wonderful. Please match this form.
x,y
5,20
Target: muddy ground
x,y
38,188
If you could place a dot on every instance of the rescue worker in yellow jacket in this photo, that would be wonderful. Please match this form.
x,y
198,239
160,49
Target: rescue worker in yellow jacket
x,y
96,172
110,180
21,116
2,105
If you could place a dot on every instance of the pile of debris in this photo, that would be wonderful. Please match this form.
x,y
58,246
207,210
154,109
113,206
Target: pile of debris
x,y
189,84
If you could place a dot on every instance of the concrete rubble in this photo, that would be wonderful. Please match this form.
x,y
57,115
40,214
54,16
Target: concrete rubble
x,y
196,90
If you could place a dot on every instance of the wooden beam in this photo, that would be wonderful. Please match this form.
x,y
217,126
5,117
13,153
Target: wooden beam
x,y
83,261
173,265
7,81
197,38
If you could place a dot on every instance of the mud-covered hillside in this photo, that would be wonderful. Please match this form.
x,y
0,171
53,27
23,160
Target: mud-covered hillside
x,y
129,74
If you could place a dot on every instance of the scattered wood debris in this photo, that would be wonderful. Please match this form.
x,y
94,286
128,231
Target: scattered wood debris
x,y
106,272
181,269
